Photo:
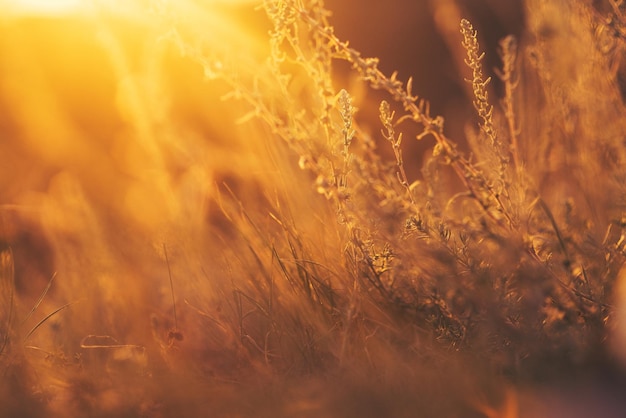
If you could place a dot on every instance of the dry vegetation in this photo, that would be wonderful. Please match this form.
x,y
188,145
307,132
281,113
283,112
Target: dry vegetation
x,y
274,261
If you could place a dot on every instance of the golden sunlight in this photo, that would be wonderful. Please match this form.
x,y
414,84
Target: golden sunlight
x,y
207,208
42,7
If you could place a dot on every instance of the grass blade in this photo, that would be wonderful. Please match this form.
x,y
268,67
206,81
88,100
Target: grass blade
x,y
50,315
41,297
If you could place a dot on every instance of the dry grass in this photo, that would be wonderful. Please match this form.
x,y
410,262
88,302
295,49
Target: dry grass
x,y
263,255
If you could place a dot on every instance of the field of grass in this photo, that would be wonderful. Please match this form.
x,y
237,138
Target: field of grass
x,y
213,208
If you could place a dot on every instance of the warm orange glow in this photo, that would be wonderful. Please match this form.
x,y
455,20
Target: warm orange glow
x,y
207,207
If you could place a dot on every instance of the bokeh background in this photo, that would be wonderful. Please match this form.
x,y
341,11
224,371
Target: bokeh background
x,y
65,78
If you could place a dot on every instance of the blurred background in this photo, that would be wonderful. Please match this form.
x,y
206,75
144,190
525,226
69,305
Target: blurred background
x,y
74,89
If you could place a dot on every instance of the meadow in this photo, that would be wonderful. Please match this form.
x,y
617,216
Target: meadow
x,y
226,209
